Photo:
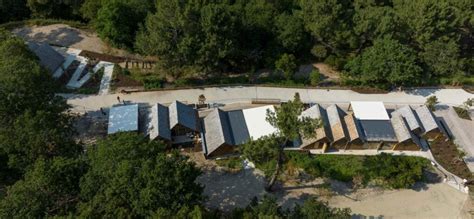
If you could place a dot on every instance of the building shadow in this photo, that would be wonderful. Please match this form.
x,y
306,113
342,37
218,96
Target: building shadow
x,y
425,92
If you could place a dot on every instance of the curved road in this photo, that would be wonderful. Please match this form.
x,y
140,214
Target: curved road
x,y
81,103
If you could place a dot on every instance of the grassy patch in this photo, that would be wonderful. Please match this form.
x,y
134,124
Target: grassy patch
x,y
382,170
234,163
462,113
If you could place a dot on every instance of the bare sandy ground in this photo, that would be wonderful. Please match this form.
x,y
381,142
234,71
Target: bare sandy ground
x,y
436,201
229,190
64,35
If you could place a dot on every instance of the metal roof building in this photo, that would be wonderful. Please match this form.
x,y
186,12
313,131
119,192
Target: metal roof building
x,y
426,118
49,58
322,133
224,130
238,127
353,129
406,138
183,115
337,129
217,135
160,125
374,121
123,119
412,120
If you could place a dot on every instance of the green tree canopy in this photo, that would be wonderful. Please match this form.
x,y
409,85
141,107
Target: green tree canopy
x,y
130,176
12,10
32,118
287,65
65,9
118,20
328,21
50,188
386,63
443,58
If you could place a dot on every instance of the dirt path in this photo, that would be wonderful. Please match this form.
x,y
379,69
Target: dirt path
x,y
230,190
64,35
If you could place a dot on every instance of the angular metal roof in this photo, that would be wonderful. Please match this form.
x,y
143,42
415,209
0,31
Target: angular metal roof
x,y
334,118
427,119
182,114
353,128
402,131
160,126
123,119
378,130
217,130
407,113
49,58
238,127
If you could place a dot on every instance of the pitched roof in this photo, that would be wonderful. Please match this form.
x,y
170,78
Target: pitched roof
x,y
217,130
49,58
353,128
409,116
257,125
182,114
316,112
160,126
378,130
335,123
368,110
402,131
123,119
427,119
238,127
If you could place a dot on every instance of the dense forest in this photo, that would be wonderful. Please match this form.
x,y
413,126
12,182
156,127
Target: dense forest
x,y
385,43
44,172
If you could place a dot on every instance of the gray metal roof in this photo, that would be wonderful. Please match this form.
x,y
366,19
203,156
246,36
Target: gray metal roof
x,y
49,58
238,127
123,119
217,130
378,130
182,114
427,119
407,113
402,131
160,126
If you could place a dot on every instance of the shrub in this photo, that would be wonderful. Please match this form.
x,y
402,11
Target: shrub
x,y
384,170
287,64
315,77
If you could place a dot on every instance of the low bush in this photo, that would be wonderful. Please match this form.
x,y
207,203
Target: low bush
x,y
231,163
383,170
462,113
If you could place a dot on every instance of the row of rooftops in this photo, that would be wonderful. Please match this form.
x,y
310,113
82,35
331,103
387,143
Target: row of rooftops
x,y
231,128
371,125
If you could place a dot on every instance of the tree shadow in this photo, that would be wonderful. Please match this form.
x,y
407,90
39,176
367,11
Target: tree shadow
x,y
425,92
62,36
